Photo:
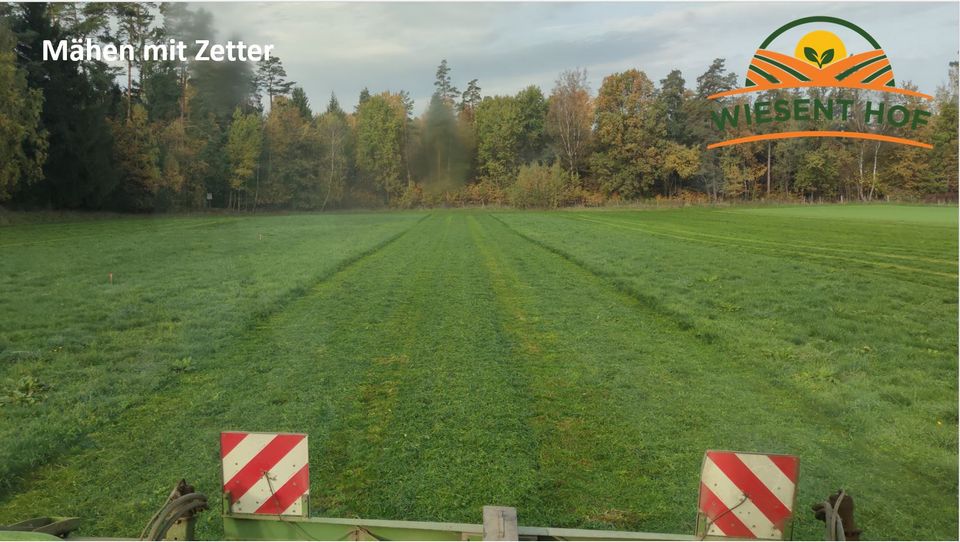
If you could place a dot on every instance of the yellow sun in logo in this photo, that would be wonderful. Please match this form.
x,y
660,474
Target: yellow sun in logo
x,y
820,48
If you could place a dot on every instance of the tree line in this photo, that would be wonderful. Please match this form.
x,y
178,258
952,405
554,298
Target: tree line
x,y
155,135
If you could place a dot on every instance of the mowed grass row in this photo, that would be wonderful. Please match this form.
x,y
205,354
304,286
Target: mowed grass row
x,y
573,369
863,353
183,288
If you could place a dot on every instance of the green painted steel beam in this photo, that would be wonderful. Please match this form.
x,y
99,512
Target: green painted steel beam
x,y
41,528
261,527
551,533
25,535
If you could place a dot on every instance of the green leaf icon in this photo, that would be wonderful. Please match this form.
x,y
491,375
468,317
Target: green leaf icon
x,y
811,55
826,57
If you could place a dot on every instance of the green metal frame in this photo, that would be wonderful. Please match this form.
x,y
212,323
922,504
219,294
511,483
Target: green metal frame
x,y
268,527
42,528
258,527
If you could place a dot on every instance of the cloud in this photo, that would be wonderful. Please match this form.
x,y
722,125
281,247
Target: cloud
x,y
342,48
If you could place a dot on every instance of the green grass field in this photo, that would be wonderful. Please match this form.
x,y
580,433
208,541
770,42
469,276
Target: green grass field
x,y
574,364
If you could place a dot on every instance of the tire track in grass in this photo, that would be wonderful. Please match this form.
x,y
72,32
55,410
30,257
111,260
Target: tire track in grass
x,y
337,379
850,238
669,230
834,234
906,274
702,238
663,255
803,212
781,244
846,329
651,302
817,425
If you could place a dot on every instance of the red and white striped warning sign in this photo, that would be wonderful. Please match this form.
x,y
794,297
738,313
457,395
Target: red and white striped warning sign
x,y
746,495
265,473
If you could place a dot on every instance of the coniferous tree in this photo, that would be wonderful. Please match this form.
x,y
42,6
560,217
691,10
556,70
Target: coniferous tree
x,y
78,170
272,79
469,99
716,79
364,96
443,86
673,97
133,27
299,100
533,115
23,143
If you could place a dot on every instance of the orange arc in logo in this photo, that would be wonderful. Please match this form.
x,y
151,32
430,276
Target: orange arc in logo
x,y
820,133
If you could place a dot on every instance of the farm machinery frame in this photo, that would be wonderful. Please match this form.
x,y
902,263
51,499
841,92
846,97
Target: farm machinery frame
x,y
266,490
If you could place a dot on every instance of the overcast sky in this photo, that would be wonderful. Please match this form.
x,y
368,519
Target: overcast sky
x,y
334,47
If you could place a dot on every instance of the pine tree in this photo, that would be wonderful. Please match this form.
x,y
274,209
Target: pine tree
x,y
470,98
715,79
444,87
272,79
134,20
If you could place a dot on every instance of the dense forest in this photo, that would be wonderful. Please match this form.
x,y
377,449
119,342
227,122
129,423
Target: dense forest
x,y
174,135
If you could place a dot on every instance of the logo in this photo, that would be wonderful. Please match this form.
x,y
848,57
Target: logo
x,y
820,58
